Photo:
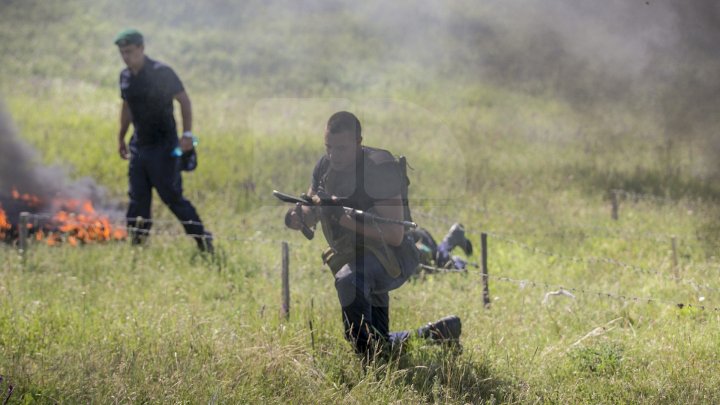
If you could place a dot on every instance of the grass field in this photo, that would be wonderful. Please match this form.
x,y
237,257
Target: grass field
x,y
115,324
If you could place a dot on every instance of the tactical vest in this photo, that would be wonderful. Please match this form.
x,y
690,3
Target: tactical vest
x,y
344,244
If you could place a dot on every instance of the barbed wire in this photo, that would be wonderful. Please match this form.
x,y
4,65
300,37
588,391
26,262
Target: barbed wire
x,y
606,231
621,297
635,196
523,283
72,215
174,234
499,236
655,236
520,282
606,260
592,260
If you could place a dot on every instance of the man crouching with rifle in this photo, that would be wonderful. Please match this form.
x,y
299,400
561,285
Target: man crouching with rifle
x,y
368,255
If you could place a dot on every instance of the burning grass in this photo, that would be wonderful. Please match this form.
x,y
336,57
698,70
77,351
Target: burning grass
x,y
58,220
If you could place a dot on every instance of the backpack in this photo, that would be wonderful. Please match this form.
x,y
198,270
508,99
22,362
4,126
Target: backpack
x,y
404,188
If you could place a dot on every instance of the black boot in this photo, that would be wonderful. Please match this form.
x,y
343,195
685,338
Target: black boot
x,y
444,330
456,237
205,243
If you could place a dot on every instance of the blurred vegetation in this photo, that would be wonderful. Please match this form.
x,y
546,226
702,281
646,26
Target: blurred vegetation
x,y
493,142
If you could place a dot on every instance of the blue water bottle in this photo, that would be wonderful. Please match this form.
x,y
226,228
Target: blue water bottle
x,y
177,152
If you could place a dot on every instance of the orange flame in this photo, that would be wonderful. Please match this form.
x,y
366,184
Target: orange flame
x,y
75,222
31,200
4,224
80,224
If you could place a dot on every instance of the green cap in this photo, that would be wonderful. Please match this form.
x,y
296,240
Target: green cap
x,y
129,36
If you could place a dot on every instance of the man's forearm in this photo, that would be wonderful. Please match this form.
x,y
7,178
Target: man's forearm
x,y
123,132
125,119
185,111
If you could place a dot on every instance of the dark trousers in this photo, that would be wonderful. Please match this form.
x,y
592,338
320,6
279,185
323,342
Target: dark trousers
x,y
155,166
362,288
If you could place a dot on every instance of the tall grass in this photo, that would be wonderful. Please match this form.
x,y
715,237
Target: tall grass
x,y
113,323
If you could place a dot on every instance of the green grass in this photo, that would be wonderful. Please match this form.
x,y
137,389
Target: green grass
x,y
112,323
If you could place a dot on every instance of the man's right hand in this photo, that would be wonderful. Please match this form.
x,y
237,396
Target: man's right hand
x,y
123,150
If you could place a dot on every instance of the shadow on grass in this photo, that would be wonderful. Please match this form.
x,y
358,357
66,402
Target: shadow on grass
x,y
445,374
438,373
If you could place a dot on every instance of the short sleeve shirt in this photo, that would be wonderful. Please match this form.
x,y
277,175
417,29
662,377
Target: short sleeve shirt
x,y
376,177
149,94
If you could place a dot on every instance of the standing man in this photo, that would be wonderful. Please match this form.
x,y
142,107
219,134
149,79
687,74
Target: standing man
x,y
368,259
148,89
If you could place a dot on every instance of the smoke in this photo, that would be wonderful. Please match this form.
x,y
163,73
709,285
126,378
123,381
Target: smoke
x,y
19,163
689,96
654,57
584,50
20,169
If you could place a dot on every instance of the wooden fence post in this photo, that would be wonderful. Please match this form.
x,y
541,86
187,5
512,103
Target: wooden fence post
x,y
614,200
486,282
285,311
676,269
23,231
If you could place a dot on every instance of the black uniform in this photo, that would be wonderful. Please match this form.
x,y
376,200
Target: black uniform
x,y
364,276
149,94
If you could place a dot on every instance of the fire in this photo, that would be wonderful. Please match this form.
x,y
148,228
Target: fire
x,y
31,200
72,220
4,224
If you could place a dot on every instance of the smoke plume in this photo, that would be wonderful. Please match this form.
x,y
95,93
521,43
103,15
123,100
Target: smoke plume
x,y
21,170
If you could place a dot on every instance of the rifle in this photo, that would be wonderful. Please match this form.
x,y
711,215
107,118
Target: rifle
x,y
304,199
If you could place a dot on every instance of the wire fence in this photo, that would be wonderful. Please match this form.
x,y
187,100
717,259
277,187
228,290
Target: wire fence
x,y
606,260
594,230
561,289
587,230
589,260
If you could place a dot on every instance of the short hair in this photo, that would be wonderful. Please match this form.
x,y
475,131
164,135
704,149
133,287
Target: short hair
x,y
343,121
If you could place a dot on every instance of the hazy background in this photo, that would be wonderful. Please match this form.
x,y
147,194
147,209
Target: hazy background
x,y
643,70
518,117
